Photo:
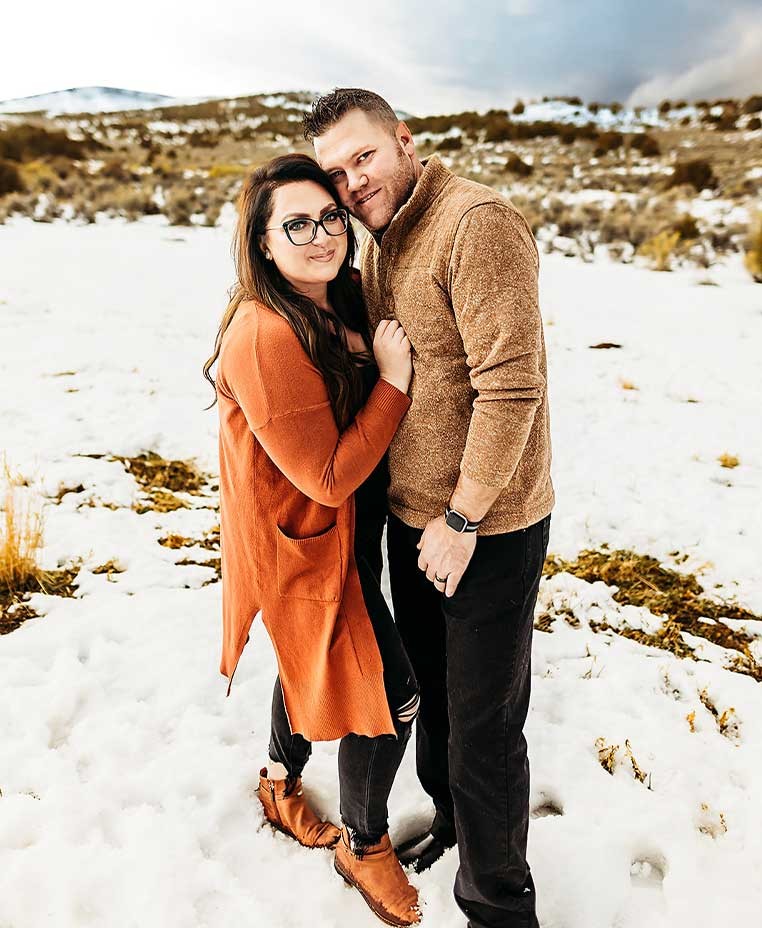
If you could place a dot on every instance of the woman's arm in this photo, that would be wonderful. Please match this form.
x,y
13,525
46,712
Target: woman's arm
x,y
285,400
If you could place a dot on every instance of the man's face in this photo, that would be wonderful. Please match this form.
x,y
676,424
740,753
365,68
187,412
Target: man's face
x,y
372,168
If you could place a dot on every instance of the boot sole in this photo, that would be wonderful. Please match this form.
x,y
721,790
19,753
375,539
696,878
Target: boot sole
x,y
385,917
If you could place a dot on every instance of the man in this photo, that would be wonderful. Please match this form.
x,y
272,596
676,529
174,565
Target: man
x,y
470,493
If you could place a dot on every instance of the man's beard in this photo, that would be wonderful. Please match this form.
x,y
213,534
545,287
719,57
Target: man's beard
x,y
400,188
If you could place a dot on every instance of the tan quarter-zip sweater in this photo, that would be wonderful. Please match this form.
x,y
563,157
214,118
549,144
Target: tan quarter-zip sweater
x,y
458,267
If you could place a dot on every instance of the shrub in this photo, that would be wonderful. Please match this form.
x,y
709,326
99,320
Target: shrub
x,y
24,143
10,179
606,142
518,109
754,123
753,258
753,105
450,143
665,106
687,227
659,249
115,169
698,173
180,206
726,122
228,170
517,166
646,144
499,129
20,540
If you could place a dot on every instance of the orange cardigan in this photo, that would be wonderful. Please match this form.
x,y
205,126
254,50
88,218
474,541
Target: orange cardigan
x,y
287,482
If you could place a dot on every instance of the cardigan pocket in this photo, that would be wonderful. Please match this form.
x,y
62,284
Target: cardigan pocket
x,y
309,568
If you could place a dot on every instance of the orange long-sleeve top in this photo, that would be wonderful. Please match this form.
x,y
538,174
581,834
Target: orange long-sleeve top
x,y
287,482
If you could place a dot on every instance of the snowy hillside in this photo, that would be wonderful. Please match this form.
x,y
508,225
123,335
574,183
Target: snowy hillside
x,y
127,776
87,100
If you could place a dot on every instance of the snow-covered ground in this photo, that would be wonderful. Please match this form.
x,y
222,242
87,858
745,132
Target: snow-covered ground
x,y
127,777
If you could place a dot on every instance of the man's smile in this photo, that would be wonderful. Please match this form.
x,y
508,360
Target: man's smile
x,y
365,199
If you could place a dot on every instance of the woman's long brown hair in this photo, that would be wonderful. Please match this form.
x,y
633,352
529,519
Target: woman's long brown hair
x,y
259,279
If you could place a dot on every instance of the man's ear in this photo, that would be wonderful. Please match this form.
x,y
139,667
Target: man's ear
x,y
405,138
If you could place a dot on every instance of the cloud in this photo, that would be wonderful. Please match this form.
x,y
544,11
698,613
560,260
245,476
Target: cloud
x,y
732,73
460,54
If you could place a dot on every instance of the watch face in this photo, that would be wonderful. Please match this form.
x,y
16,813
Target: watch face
x,y
456,520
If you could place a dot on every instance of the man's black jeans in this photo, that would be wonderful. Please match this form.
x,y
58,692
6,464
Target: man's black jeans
x,y
472,656
367,766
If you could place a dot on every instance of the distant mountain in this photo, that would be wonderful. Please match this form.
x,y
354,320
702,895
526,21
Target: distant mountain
x,y
88,100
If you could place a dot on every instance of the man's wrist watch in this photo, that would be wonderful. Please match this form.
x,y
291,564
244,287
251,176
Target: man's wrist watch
x,y
458,522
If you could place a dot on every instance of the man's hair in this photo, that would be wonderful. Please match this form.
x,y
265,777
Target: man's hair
x,y
328,109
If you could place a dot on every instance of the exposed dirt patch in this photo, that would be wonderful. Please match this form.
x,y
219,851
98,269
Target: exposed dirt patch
x,y
109,568
642,581
14,610
213,562
161,479
210,540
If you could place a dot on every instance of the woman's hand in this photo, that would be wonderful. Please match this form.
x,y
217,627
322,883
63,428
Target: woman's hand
x,y
392,350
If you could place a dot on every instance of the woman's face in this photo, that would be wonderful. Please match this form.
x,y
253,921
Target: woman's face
x,y
318,262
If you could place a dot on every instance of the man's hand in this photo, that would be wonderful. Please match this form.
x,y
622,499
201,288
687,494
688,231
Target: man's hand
x,y
445,554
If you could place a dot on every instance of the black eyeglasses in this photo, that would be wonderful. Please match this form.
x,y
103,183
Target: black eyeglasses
x,y
303,231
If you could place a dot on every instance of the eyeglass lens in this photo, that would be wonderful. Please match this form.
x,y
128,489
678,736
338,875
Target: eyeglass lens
x,y
302,231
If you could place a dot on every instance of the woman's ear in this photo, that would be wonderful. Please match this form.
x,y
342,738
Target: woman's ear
x,y
263,247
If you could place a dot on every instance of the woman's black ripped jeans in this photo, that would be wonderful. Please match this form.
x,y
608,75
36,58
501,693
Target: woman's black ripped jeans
x,y
367,766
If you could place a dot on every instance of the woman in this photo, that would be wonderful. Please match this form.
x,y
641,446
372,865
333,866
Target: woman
x,y
307,410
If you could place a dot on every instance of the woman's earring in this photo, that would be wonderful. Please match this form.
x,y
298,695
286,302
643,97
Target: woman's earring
x,y
268,256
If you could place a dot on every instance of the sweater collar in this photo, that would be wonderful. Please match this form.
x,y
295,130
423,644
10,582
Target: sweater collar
x,y
430,184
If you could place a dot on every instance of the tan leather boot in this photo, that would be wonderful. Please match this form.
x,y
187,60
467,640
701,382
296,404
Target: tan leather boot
x,y
287,810
377,873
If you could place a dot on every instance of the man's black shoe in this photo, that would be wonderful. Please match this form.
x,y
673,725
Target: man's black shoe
x,y
423,850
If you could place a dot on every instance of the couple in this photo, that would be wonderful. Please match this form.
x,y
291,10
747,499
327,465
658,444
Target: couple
x,y
434,351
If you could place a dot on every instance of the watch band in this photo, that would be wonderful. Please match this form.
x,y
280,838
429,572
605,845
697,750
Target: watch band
x,y
458,522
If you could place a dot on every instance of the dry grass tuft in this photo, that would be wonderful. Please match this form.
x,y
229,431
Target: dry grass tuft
x,y
728,460
660,249
21,540
161,479
642,581
607,758
63,490
210,540
151,470
711,824
606,755
213,562
639,774
753,256
160,501
109,568
20,546
727,720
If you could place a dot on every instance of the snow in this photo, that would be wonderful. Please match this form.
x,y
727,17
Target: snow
x,y
88,100
715,210
126,774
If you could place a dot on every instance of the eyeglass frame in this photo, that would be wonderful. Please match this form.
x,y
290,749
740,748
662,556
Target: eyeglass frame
x,y
315,223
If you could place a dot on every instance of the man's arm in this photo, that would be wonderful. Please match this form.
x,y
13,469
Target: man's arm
x,y
493,286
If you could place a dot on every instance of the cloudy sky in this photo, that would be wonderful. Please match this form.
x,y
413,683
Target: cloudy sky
x,y
425,57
